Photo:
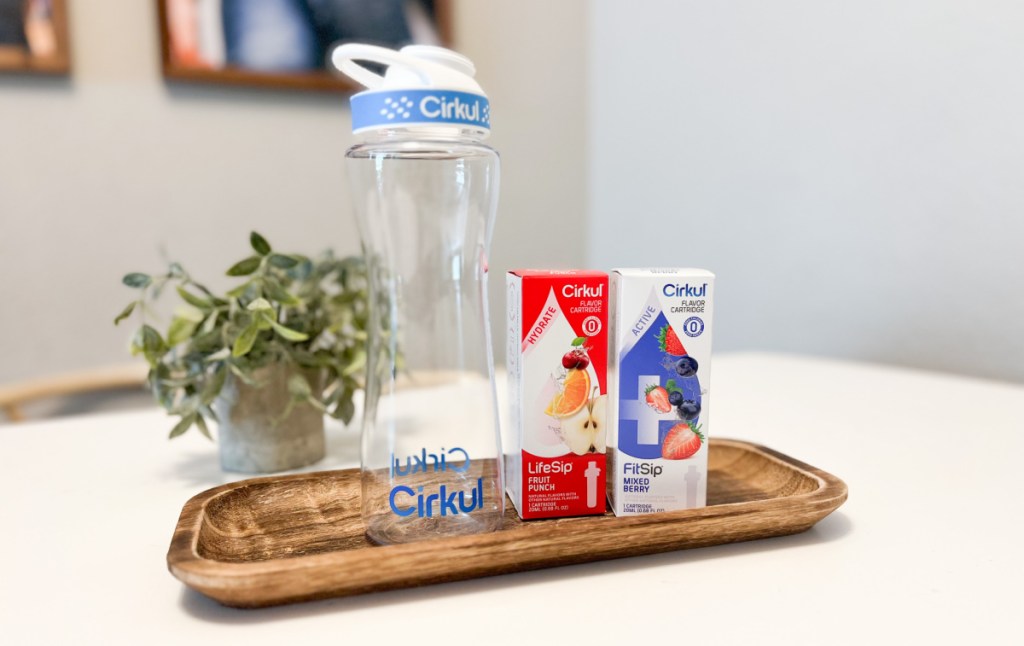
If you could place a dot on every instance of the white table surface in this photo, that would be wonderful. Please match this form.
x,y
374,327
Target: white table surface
x,y
927,549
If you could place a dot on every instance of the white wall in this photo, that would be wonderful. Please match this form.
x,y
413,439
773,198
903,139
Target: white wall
x,y
101,174
531,59
853,171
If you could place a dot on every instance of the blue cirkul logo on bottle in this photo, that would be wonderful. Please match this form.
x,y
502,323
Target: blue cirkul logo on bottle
x,y
422,462
405,501
401,108
425,501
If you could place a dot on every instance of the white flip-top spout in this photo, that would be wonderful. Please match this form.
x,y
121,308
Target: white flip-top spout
x,y
422,86
412,66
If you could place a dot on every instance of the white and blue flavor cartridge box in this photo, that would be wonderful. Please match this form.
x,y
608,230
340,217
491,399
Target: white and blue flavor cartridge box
x,y
659,371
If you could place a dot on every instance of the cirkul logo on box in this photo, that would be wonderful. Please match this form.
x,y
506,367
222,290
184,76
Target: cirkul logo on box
x,y
685,291
582,291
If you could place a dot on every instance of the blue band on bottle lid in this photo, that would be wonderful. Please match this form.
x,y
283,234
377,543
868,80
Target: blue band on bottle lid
x,y
404,108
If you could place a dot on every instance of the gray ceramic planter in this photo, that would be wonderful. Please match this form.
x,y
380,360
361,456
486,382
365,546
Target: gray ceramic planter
x,y
254,438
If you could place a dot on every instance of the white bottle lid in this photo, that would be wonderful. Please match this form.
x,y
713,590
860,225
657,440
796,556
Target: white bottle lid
x,y
423,86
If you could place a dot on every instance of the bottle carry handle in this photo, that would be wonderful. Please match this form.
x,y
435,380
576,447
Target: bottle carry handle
x,y
344,58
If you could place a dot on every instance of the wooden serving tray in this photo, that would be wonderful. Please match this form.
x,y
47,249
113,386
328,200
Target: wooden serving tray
x,y
276,540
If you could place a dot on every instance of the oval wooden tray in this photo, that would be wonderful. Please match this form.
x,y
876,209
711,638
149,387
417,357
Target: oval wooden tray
x,y
283,539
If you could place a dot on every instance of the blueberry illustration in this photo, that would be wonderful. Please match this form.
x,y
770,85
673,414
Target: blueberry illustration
x,y
675,398
686,366
688,410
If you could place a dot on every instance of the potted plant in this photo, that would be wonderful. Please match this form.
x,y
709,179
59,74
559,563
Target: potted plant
x,y
266,361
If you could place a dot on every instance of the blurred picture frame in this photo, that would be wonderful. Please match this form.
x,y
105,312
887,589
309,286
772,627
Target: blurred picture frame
x,y
34,37
285,43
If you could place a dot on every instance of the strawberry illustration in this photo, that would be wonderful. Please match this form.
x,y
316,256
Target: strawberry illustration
x,y
681,442
657,398
669,342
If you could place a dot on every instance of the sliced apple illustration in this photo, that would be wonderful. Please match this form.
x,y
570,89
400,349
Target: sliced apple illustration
x,y
583,431
598,415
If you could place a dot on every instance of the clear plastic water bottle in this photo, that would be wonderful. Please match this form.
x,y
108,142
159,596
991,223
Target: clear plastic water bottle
x,y
425,190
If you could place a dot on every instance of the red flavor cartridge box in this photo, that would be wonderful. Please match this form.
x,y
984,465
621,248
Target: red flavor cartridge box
x,y
557,360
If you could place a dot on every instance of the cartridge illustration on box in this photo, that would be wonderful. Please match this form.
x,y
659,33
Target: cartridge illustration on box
x,y
661,351
557,328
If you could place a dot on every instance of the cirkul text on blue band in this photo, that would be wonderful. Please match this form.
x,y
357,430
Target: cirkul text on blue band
x,y
434,107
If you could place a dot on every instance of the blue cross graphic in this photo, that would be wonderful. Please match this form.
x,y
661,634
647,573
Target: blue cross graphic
x,y
637,410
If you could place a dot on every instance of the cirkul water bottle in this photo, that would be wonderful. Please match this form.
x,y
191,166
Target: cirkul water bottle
x,y
425,192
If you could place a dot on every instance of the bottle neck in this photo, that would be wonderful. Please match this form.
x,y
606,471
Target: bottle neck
x,y
424,133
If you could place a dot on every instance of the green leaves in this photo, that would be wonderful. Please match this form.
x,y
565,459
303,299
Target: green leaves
x,y
264,318
219,355
183,325
265,313
288,333
213,386
282,262
286,310
210,324
298,387
126,312
357,364
260,305
276,291
578,341
259,244
151,340
245,267
242,375
150,344
193,300
201,425
186,422
345,410
244,342
696,430
137,280
303,270
180,331
243,291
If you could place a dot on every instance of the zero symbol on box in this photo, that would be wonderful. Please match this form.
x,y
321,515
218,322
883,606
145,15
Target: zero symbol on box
x,y
591,325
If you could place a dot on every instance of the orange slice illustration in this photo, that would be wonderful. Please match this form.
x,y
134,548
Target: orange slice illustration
x,y
574,395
